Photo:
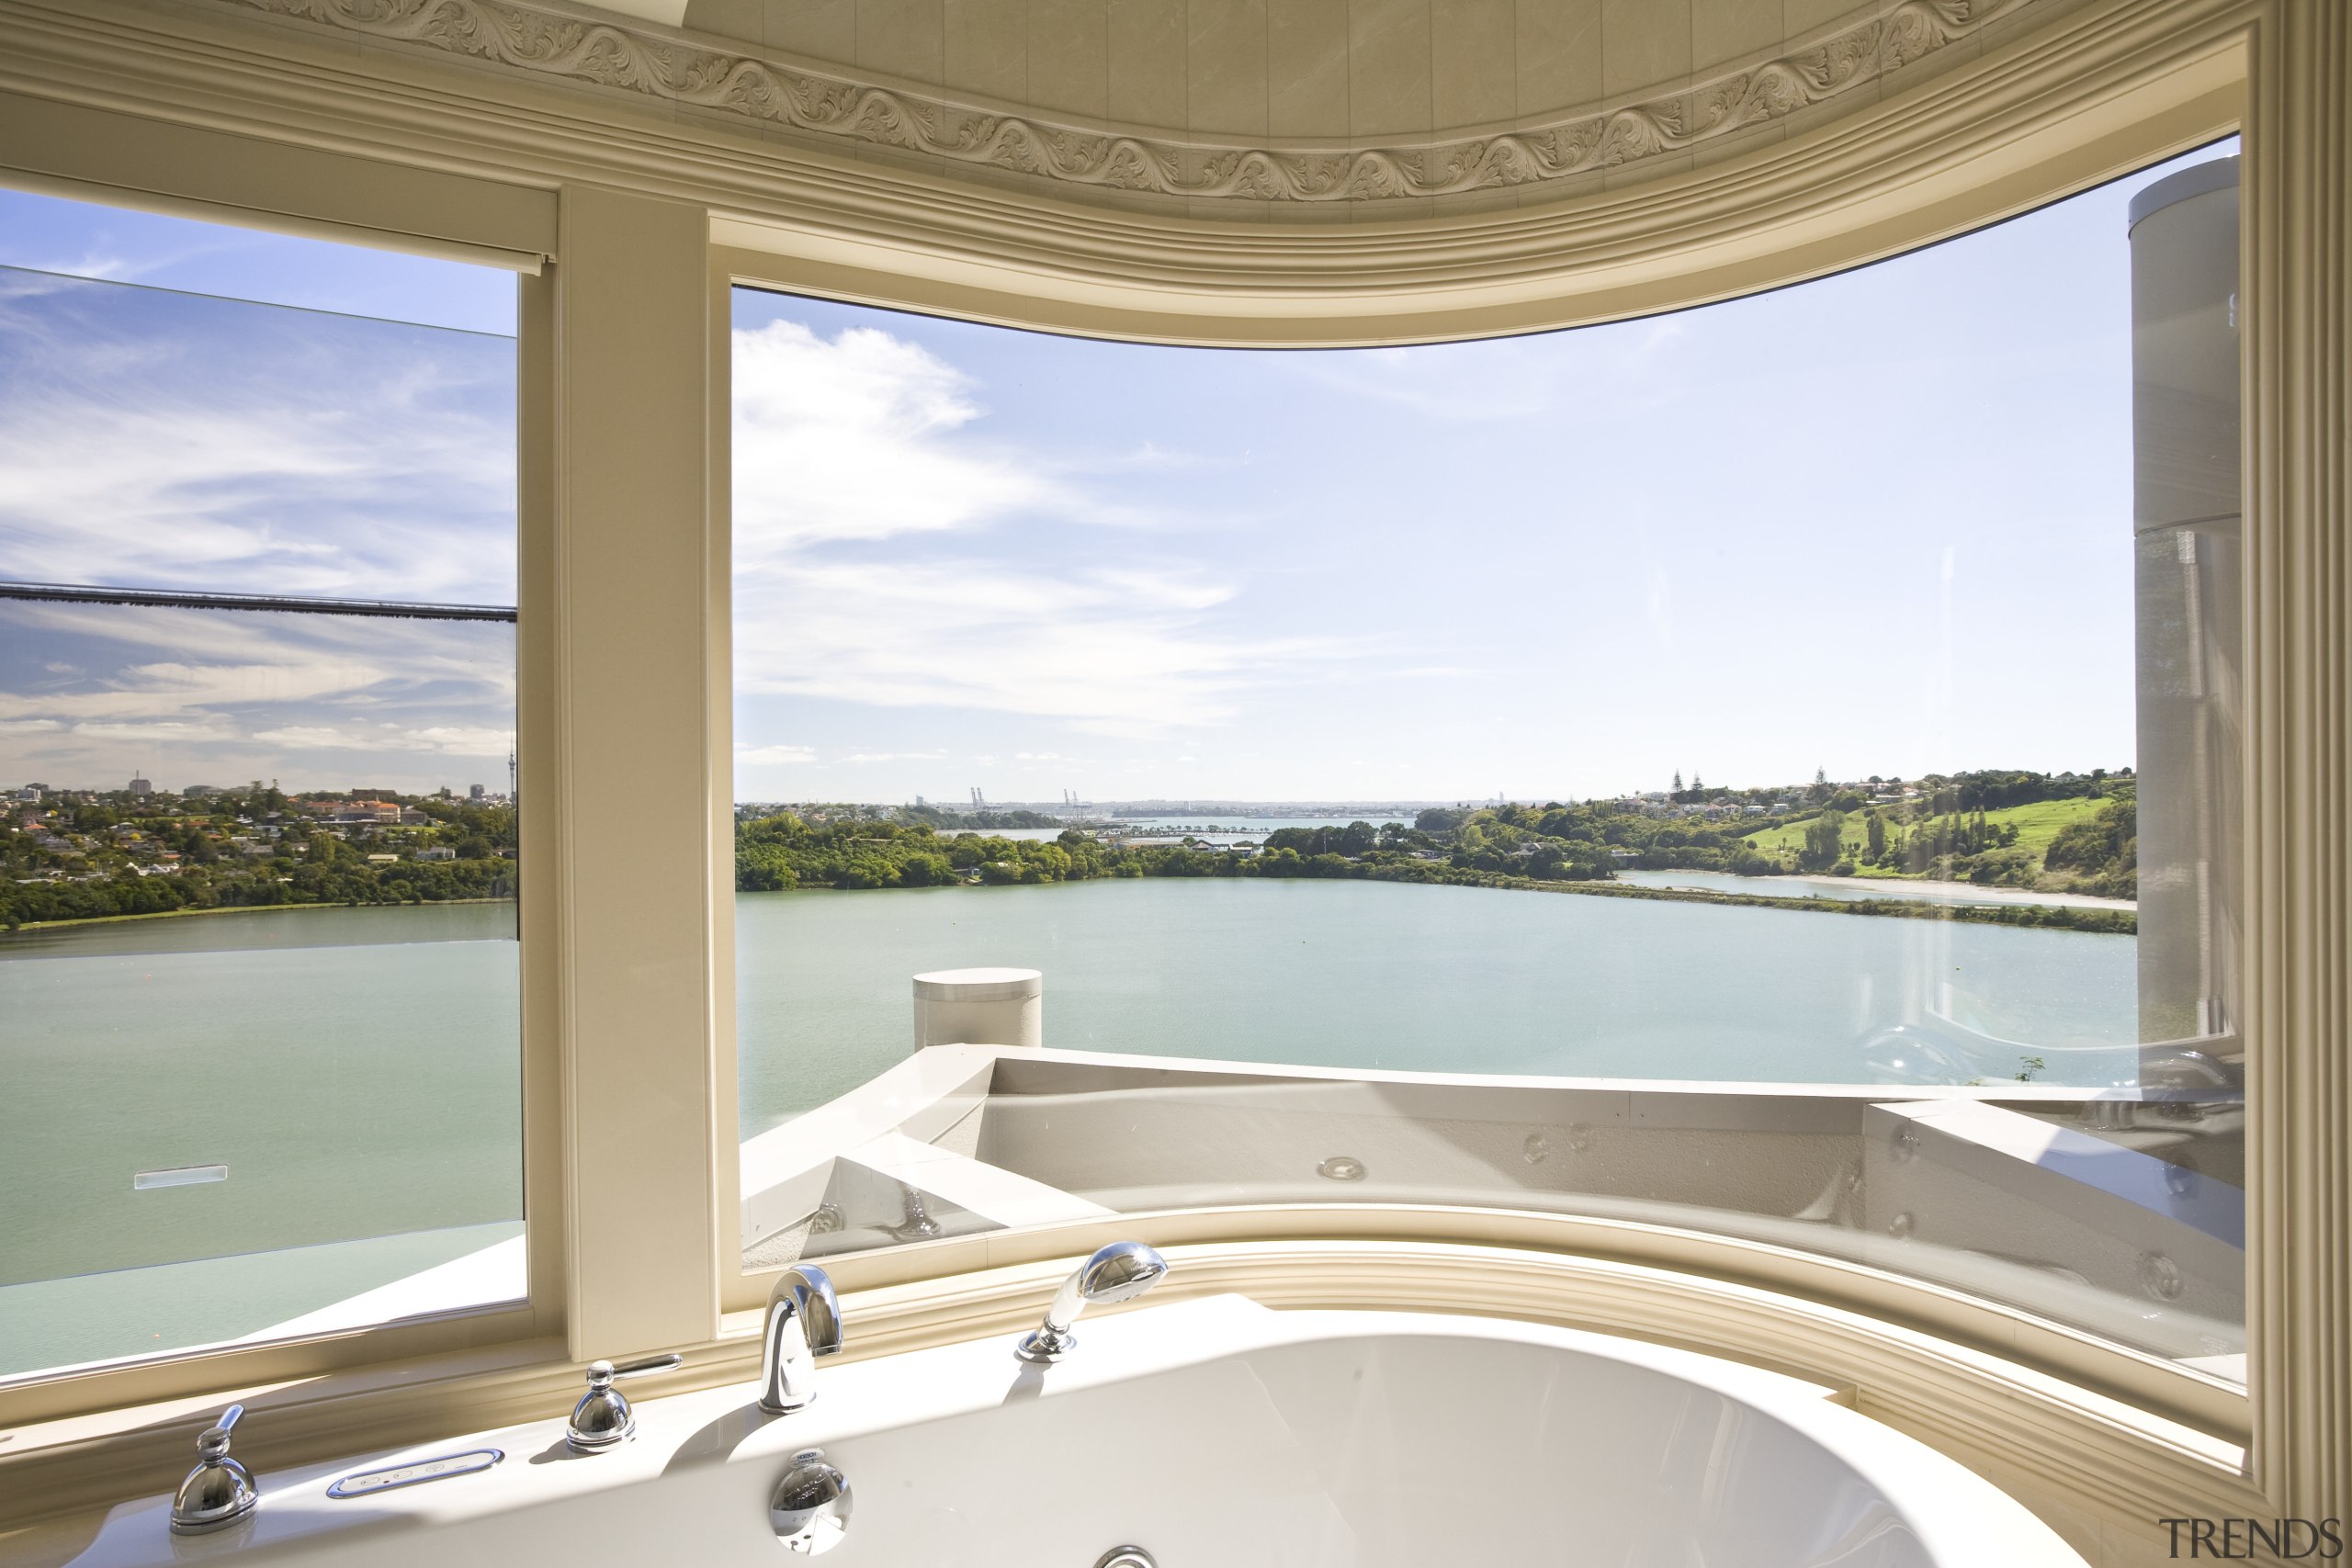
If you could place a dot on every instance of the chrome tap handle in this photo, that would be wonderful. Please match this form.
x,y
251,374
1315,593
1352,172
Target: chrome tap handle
x,y
643,1368
803,1321
602,1417
213,1443
220,1491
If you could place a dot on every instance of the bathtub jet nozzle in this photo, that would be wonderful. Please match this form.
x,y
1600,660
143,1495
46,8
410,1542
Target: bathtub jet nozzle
x,y
1119,1272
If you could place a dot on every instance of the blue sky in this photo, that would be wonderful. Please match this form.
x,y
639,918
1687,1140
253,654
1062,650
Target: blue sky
x,y
1879,523
84,239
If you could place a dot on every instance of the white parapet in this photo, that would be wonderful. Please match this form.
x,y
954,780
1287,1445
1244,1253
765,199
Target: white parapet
x,y
980,1007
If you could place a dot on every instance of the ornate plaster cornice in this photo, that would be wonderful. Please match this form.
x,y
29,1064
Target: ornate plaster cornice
x,y
678,69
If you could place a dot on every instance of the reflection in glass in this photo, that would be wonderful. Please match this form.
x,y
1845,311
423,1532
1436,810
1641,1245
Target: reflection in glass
x,y
262,1057
260,1069
154,439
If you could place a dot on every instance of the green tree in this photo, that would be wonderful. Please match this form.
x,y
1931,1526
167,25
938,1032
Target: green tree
x,y
1824,841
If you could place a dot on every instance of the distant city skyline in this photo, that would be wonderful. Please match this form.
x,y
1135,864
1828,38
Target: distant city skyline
x,y
140,785
1879,523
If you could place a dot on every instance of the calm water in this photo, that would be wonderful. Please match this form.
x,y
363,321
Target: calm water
x,y
1384,975
356,1070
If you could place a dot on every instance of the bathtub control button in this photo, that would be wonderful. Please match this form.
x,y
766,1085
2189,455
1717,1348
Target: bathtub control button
x,y
1126,1557
439,1469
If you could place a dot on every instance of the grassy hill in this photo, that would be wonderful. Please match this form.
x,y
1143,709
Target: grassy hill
x,y
2037,824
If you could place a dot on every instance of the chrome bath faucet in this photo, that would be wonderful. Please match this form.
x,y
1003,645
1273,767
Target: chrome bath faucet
x,y
804,1322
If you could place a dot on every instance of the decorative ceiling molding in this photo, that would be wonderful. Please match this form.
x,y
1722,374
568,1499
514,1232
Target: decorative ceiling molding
x,y
681,70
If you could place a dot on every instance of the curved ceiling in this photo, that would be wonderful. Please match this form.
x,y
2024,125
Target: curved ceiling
x,y
1345,103
1235,109
1895,125
1319,70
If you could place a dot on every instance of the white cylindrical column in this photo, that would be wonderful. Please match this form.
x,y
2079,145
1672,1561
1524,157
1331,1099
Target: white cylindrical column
x,y
980,1007
2187,588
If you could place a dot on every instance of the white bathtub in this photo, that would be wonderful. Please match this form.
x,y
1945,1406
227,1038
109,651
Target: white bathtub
x,y
1215,1433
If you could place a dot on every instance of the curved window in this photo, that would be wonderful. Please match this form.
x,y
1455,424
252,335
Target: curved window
x,y
1767,770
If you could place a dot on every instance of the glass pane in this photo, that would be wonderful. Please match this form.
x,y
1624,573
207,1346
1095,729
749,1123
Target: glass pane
x,y
1688,771
76,239
154,439
260,1072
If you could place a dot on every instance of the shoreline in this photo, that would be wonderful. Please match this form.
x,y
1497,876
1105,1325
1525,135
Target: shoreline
x,y
2102,918
1916,890
237,909
2101,922
2031,917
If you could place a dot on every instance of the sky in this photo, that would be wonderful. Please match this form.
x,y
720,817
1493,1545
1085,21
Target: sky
x,y
155,437
1876,524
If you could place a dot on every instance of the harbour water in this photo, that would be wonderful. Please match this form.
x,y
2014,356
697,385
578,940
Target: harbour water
x,y
1426,978
356,1071
353,1074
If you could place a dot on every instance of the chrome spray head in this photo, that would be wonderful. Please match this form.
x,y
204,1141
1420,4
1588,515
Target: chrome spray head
x,y
1119,1272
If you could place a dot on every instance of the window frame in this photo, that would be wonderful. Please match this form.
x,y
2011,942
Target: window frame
x,y
184,1373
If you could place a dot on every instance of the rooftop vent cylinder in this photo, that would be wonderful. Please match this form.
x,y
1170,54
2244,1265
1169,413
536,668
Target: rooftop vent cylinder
x,y
980,1007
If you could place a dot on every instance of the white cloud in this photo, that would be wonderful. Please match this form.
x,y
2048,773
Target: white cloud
x,y
1510,378
157,733
764,755
238,693
842,443
166,689
444,740
1125,652
1465,382
102,257
1151,455
154,441
853,439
